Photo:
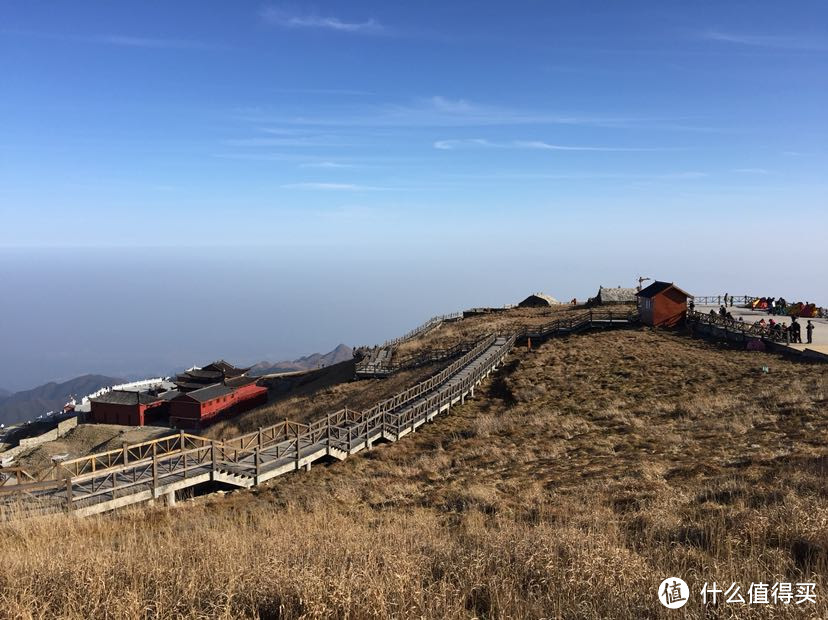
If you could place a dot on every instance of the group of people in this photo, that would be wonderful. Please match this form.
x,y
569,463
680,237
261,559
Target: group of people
x,y
776,330
781,307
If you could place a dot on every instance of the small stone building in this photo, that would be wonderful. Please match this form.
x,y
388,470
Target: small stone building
x,y
662,304
608,296
538,300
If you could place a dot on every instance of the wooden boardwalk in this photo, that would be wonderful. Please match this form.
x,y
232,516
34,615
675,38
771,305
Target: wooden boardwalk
x,y
378,362
159,468
257,457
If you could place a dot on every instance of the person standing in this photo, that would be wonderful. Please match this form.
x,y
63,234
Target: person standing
x,y
809,329
797,331
725,300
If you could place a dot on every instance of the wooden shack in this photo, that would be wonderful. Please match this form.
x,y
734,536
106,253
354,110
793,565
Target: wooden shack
x,y
662,304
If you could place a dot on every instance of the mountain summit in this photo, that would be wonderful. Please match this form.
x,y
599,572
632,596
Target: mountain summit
x,y
317,360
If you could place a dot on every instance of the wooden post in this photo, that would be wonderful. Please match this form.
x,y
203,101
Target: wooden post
x,y
328,433
297,449
260,441
181,440
126,453
257,461
154,474
69,494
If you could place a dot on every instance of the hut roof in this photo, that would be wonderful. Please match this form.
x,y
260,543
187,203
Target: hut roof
x,y
617,294
208,393
543,297
125,397
657,287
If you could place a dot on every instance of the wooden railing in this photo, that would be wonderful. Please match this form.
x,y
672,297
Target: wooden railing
x,y
376,362
412,360
121,456
421,329
575,321
748,329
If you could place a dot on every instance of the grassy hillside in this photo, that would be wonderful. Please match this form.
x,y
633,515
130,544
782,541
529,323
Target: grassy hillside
x,y
590,469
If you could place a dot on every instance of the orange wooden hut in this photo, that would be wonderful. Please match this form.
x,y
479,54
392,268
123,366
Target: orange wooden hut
x,y
662,304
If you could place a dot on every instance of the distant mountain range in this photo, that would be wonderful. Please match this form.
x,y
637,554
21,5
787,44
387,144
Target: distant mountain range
x,y
341,353
28,404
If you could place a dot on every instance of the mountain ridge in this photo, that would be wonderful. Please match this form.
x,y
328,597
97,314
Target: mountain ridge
x,y
28,404
309,362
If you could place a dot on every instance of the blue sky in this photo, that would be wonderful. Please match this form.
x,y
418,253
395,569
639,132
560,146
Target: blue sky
x,y
676,139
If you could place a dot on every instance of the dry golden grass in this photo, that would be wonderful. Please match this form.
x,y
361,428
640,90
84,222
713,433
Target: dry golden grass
x,y
594,467
474,328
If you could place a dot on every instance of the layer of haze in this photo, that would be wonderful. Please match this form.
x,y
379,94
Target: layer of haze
x,y
144,311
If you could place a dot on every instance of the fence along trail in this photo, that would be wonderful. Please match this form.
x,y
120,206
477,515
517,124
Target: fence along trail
x,y
159,468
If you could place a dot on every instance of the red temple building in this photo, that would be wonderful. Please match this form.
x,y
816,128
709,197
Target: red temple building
x,y
202,396
205,405
126,407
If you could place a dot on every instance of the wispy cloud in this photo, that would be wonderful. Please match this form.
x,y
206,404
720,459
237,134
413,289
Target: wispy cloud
x,y
322,91
441,111
147,42
290,140
342,187
115,39
326,164
751,170
539,145
687,175
799,43
288,19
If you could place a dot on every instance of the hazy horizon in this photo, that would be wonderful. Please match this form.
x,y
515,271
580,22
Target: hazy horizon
x,y
143,311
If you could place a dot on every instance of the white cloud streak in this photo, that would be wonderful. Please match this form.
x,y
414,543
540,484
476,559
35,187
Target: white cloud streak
x,y
326,164
439,111
286,19
798,43
115,39
342,187
538,145
147,42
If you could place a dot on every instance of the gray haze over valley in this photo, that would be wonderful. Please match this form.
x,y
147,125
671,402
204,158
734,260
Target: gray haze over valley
x,y
137,312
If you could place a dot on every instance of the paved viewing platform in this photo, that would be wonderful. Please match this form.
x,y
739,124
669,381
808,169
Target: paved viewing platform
x,y
748,315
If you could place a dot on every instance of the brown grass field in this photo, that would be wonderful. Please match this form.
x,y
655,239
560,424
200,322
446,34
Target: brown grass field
x,y
587,470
